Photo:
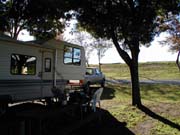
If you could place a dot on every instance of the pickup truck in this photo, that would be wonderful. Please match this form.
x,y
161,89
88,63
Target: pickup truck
x,y
93,76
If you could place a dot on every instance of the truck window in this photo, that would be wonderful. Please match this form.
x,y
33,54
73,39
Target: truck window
x,y
89,71
23,64
97,71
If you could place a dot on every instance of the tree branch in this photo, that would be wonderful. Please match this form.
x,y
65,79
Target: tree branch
x,y
21,27
124,55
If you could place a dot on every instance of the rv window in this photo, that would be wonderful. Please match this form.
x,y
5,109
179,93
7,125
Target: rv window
x,y
23,64
72,55
47,65
68,52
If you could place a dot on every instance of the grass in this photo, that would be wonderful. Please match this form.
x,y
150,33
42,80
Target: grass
x,y
147,71
162,100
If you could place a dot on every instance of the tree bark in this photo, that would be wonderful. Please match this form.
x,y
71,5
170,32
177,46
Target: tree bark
x,y
136,97
99,59
177,61
133,66
134,70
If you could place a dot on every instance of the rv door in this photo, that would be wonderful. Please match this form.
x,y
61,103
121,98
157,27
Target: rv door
x,y
47,66
46,73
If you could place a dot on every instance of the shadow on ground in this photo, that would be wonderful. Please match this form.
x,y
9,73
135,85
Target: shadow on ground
x,y
108,93
105,124
158,117
28,119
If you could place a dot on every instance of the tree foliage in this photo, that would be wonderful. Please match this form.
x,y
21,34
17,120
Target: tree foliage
x,y
172,27
41,18
129,23
84,39
101,46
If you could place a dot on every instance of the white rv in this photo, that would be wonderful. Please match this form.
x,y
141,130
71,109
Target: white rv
x,y
29,71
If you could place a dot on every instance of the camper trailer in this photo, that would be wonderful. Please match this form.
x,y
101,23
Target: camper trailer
x,y
30,71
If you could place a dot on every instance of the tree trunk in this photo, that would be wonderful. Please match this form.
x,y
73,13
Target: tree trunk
x,y
100,67
99,59
87,63
133,66
134,47
136,98
177,61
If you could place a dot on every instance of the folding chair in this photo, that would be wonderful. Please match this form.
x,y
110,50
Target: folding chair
x,y
96,99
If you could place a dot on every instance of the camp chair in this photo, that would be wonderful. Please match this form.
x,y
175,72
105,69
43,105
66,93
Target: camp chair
x,y
96,99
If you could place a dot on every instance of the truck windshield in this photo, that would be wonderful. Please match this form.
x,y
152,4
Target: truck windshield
x,y
89,71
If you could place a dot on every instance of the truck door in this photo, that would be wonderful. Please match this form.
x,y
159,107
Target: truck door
x,y
98,75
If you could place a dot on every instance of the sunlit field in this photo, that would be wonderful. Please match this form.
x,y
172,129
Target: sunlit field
x,y
147,71
162,101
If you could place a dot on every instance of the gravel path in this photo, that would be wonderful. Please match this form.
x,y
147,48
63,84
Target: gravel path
x,y
118,81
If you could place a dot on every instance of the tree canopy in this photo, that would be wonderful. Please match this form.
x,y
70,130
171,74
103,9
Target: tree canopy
x,y
43,19
101,46
129,23
172,27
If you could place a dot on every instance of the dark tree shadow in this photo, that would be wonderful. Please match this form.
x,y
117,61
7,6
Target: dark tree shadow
x,y
158,117
33,119
106,125
108,93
